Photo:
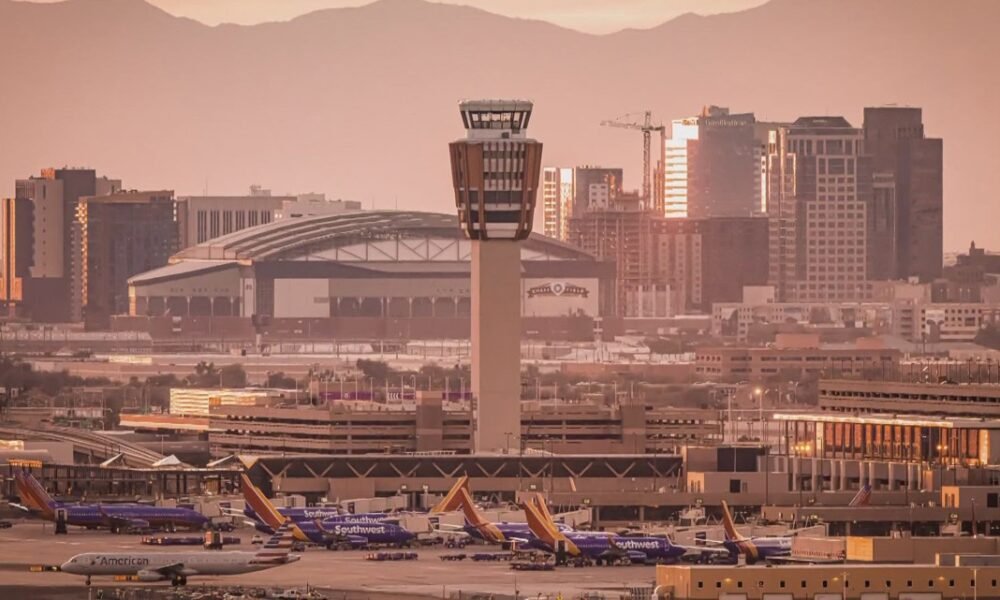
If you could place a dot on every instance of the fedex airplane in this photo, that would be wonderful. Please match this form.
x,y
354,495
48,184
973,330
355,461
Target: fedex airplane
x,y
111,516
178,566
330,516
326,533
600,546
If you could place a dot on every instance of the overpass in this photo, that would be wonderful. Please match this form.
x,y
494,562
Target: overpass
x,y
88,446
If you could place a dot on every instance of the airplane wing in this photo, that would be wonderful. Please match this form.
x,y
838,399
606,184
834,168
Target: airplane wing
x,y
703,550
19,507
120,520
171,570
457,533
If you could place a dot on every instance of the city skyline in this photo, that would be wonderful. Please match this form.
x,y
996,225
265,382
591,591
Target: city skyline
x,y
183,124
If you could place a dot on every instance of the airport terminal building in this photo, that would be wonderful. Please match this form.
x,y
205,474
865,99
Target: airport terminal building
x,y
364,274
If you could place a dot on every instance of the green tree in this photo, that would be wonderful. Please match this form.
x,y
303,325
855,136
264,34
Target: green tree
x,y
280,380
374,369
205,375
233,376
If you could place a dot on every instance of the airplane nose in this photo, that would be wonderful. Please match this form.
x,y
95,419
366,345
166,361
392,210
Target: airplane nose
x,y
67,567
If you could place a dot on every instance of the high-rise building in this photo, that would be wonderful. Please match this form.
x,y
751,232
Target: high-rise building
x,y
557,201
715,165
569,193
594,188
908,208
668,266
624,233
36,244
819,190
115,237
705,261
495,173
675,174
202,218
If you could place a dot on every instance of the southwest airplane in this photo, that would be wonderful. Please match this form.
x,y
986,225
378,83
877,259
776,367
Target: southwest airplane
x,y
480,528
112,516
326,533
600,546
178,566
330,516
764,548
753,548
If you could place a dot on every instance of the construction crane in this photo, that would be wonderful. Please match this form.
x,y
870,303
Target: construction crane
x,y
647,127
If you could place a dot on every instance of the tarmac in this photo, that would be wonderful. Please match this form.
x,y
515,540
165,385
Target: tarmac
x,y
343,575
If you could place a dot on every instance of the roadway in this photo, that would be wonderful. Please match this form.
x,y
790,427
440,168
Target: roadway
x,y
87,442
348,573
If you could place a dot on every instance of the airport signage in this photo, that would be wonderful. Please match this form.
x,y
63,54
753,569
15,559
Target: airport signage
x,y
123,561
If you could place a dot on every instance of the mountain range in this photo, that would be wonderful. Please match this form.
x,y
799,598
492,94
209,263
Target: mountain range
x,y
361,102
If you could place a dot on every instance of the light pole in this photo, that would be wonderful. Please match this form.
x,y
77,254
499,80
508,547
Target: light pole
x,y
760,393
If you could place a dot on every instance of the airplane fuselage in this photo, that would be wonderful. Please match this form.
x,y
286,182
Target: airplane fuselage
x,y
652,548
760,548
147,563
94,515
372,533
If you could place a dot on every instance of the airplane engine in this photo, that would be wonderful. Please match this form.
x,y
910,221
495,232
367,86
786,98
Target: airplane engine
x,y
149,576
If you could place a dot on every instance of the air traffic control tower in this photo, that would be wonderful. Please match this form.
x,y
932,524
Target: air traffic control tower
x,y
495,170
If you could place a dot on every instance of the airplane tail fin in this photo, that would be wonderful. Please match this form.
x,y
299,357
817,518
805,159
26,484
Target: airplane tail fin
x,y
452,499
266,511
863,497
473,517
543,508
729,525
468,506
545,530
277,549
33,494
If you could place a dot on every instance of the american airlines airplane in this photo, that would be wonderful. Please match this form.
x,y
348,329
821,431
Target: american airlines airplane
x,y
178,566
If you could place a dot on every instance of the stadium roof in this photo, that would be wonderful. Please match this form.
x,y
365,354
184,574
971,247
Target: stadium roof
x,y
294,238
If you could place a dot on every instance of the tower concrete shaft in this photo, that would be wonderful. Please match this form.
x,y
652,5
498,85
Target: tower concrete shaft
x,y
495,171
496,344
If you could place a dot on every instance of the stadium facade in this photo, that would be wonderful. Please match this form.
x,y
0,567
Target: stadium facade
x,y
364,274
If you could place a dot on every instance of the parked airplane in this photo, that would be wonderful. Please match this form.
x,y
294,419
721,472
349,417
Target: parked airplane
x,y
178,566
753,548
111,516
334,515
479,527
326,533
600,546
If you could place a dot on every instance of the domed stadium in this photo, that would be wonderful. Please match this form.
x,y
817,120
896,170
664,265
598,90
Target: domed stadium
x,y
365,274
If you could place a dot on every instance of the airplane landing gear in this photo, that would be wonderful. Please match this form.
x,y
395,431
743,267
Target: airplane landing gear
x,y
87,582
178,580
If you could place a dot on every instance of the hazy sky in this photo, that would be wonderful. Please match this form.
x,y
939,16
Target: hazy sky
x,y
595,16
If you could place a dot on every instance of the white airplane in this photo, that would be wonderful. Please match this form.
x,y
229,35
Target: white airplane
x,y
178,566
